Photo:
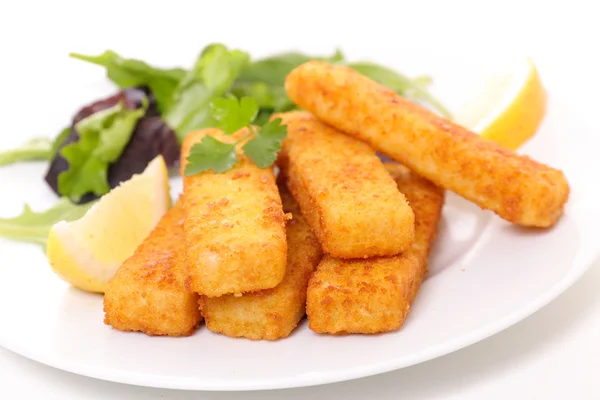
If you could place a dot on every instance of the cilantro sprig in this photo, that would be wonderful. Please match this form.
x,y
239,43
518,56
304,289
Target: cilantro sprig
x,y
233,114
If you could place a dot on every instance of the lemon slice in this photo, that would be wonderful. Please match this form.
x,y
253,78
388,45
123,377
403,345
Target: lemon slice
x,y
508,106
87,252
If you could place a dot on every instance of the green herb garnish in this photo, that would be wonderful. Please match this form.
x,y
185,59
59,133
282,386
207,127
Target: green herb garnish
x,y
232,115
34,227
211,154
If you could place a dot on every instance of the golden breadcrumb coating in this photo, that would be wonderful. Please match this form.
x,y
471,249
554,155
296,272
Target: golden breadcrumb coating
x,y
147,293
346,195
272,313
234,226
515,187
374,295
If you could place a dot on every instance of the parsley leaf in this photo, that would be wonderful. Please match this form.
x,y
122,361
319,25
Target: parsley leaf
x,y
232,114
34,227
102,138
34,149
210,154
265,145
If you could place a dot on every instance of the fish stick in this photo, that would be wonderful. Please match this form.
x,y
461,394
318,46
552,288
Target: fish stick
x,y
234,227
515,187
270,314
346,195
374,295
147,293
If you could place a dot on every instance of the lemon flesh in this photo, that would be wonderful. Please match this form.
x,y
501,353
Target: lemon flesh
x,y
508,107
87,252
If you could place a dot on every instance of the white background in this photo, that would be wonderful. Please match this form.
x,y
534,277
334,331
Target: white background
x,y
553,354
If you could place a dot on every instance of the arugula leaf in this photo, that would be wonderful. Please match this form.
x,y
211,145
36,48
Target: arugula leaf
x,y
265,145
34,227
274,69
211,77
264,80
34,149
102,138
210,154
127,72
232,114
399,83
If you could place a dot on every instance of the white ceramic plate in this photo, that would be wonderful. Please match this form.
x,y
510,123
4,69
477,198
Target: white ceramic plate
x,y
485,274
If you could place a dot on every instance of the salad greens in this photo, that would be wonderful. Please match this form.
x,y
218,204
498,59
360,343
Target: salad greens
x,y
210,77
231,115
262,79
32,150
182,100
127,72
102,138
34,227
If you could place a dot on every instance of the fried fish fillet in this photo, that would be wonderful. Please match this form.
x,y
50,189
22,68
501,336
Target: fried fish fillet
x,y
375,295
515,187
346,195
272,313
234,227
147,293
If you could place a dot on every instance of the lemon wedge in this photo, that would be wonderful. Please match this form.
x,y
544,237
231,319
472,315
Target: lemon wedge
x,y
508,106
87,252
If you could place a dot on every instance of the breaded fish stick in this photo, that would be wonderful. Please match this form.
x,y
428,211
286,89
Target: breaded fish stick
x,y
375,295
147,293
273,313
515,187
234,226
346,195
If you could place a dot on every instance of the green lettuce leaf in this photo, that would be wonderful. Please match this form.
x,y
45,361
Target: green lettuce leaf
x,y
58,140
32,150
102,138
211,77
264,80
127,72
34,227
274,69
